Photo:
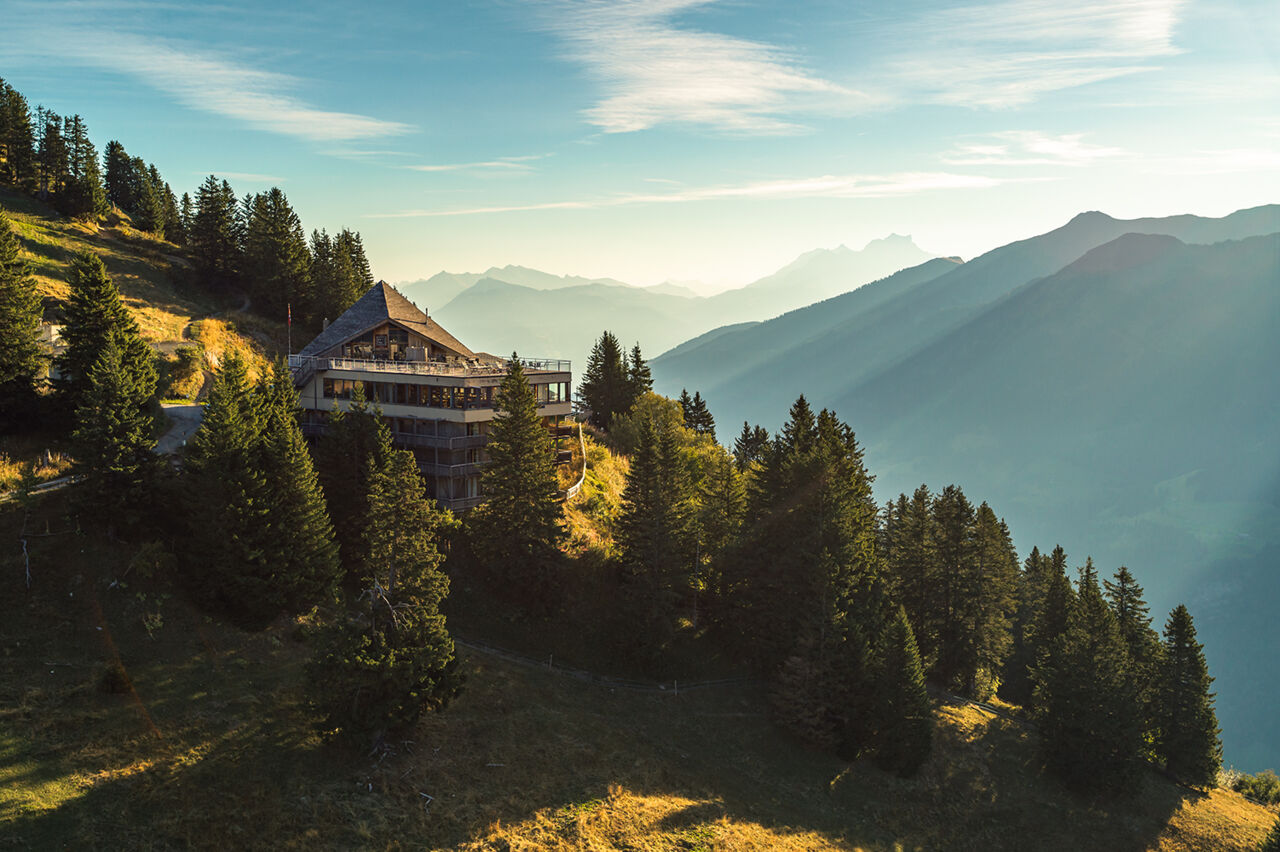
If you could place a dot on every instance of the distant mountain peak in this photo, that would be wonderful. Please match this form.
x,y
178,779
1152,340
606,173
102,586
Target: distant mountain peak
x,y
1125,252
1091,216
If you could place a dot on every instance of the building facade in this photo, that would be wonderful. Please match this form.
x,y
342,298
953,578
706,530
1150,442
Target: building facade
x,y
435,394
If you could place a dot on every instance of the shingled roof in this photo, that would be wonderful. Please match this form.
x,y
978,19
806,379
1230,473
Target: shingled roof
x,y
383,302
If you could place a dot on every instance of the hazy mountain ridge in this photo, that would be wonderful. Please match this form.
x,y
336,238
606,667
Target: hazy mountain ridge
x,y
1121,402
565,321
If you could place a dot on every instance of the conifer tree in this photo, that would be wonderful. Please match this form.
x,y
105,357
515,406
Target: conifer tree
x,y
17,140
604,386
51,155
912,566
1091,726
94,314
750,445
699,418
904,733
301,535
1188,727
83,196
260,541
686,407
1143,643
119,176
519,529
639,378
721,505
212,236
21,360
148,203
949,605
276,259
112,441
391,658
1050,621
355,442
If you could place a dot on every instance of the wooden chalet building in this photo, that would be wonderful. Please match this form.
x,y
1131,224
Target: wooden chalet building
x,y
436,395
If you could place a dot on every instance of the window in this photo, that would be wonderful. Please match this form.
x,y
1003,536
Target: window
x,y
380,341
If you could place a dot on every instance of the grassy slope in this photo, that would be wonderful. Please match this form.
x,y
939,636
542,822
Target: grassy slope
x,y
145,270
214,748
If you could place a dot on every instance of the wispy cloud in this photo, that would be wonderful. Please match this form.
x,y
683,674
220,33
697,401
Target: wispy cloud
x,y
825,186
1215,162
217,84
1010,52
654,72
1030,148
501,164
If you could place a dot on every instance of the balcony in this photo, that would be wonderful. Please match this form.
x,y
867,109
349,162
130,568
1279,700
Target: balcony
x,y
498,367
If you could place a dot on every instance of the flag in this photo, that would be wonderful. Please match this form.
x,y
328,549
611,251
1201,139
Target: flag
x,y
288,309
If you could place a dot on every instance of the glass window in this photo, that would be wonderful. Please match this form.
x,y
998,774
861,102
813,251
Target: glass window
x,y
328,388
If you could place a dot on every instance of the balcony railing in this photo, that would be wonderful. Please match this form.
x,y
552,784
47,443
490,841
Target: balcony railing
x,y
499,367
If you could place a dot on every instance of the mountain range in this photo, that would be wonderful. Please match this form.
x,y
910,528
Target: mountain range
x,y
540,314
1108,386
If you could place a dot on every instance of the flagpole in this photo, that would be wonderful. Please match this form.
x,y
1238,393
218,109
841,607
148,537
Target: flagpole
x,y
289,324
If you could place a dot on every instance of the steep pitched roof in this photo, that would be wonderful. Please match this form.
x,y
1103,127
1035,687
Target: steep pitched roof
x,y
383,302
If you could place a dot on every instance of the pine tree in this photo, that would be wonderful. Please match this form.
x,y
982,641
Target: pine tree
x,y
1188,727
1131,611
260,541
1091,726
699,417
652,539
603,390
721,506
305,552
912,566
112,441
639,378
17,140
94,314
519,529
51,155
904,733
686,407
949,605
148,203
392,658
84,196
276,259
355,441
1051,619
212,236
750,445
120,179
21,360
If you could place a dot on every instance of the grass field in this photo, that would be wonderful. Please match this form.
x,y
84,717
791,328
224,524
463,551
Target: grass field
x,y
154,280
211,745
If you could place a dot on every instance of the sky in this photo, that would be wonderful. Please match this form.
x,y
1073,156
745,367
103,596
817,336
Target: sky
x,y
686,140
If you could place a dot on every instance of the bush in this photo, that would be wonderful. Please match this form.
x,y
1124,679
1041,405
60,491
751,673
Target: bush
x,y
1264,787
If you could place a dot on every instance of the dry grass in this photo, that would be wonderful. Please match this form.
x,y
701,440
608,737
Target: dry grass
x,y
591,514
18,451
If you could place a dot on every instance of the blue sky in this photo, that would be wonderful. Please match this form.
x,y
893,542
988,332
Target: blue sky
x,y
649,140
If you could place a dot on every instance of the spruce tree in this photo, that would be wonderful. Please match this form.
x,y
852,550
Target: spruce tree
x,y
112,442
750,445
391,657
1188,727
260,541
355,441
904,733
1090,724
94,314
119,177
603,390
17,140
276,259
84,196
1131,610
699,417
519,528
212,236
949,605
639,378
51,155
912,567
305,552
21,360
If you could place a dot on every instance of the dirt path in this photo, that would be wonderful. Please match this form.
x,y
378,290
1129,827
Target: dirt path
x,y
186,420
